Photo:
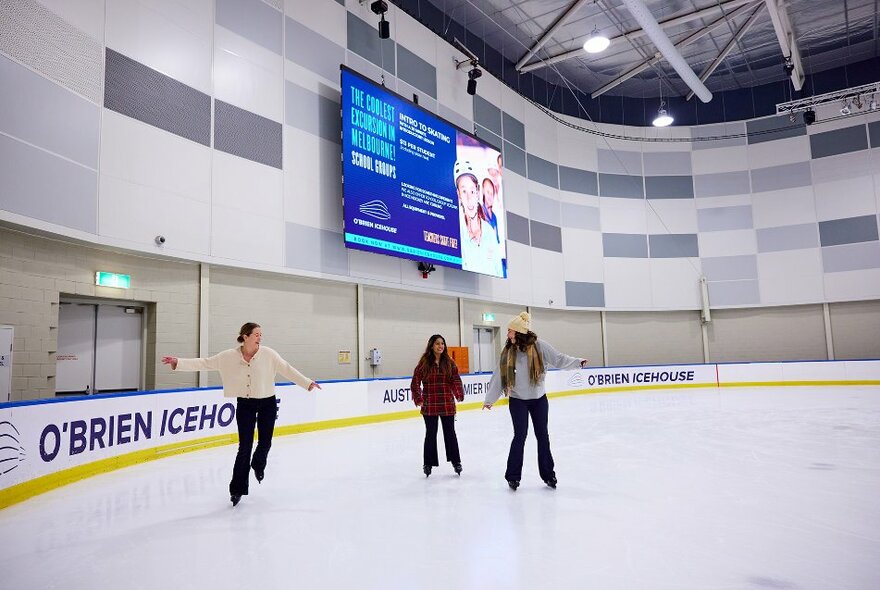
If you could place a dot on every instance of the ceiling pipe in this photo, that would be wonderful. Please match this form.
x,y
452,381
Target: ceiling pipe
x,y
646,20
550,32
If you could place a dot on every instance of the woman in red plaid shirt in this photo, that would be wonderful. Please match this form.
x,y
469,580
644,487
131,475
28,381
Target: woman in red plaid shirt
x,y
435,387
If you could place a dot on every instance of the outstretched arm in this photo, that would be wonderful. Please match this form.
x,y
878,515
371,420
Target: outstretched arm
x,y
493,391
212,363
288,371
559,360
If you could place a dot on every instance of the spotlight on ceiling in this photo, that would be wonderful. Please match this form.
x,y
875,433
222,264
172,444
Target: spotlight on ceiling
x,y
472,80
846,109
663,119
380,7
873,104
596,42
809,116
788,66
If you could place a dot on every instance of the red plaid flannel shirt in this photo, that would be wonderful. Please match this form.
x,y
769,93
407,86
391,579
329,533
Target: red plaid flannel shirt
x,y
435,392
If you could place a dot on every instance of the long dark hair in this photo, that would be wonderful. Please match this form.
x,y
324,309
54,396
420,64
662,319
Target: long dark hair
x,y
246,330
524,343
427,360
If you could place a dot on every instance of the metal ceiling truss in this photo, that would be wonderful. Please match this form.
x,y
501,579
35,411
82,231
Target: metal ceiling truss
x,y
788,43
723,7
857,96
657,58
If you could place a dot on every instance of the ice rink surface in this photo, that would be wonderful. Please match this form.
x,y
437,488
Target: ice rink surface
x,y
752,488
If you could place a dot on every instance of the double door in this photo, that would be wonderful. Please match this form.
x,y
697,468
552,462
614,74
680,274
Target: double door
x,y
100,348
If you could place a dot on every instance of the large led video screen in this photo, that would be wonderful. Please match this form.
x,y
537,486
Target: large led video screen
x,y
417,186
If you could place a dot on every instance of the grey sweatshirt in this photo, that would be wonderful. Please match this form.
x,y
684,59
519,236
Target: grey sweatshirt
x,y
523,389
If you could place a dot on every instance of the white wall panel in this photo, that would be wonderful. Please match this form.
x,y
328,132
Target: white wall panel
x,y
727,159
675,283
516,193
671,216
727,243
779,152
246,186
171,37
136,213
582,255
541,138
148,156
790,276
548,280
244,236
851,197
852,285
519,272
725,201
792,206
312,183
85,15
628,283
248,75
623,216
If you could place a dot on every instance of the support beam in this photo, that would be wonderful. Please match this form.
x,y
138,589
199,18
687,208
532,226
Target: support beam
x,y
728,48
644,65
787,41
550,32
635,34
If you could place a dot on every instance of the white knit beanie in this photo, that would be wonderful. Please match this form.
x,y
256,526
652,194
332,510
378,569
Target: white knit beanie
x,y
521,323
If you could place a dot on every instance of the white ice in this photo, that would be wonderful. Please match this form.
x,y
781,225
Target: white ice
x,y
752,488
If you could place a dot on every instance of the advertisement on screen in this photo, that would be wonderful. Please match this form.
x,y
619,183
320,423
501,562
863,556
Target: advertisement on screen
x,y
417,187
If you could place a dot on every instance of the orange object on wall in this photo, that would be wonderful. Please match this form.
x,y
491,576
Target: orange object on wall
x,y
460,357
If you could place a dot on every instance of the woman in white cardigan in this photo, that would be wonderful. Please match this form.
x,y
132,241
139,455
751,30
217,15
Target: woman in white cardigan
x,y
248,373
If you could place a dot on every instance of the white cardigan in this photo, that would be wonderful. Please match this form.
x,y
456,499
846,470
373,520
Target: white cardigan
x,y
241,379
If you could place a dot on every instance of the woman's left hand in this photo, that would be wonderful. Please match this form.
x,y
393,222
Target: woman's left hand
x,y
315,385
584,364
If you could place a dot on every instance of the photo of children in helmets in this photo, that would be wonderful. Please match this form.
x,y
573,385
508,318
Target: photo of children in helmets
x,y
477,176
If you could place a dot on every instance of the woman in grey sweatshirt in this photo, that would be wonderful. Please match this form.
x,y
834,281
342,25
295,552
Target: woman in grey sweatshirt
x,y
520,375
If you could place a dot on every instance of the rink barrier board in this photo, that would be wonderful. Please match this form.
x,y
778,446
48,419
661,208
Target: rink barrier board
x,y
44,483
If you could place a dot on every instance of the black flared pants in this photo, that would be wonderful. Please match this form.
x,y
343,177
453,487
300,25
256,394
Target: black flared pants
x,y
249,413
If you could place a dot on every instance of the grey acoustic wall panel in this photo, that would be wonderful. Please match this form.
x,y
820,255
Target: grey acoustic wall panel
x,y
544,209
487,135
312,112
246,134
734,293
142,93
790,237
581,294
774,128
839,141
518,228
545,236
722,184
415,71
619,162
730,268
847,257
874,131
580,216
724,218
363,40
487,115
781,177
578,181
543,171
514,159
310,248
37,184
514,130
669,187
625,245
47,115
313,51
252,19
848,231
673,246
42,40
709,136
667,163
621,186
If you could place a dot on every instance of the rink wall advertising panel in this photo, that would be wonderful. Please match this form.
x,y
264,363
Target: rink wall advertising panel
x,y
416,186
48,443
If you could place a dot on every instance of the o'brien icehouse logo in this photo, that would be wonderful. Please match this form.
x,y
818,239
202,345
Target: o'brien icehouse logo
x,y
12,454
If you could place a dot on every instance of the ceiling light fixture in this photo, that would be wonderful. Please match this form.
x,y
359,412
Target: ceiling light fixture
x,y
846,109
596,42
663,119
873,104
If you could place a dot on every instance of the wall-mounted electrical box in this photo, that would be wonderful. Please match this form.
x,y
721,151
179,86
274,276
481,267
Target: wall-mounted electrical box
x,y
375,357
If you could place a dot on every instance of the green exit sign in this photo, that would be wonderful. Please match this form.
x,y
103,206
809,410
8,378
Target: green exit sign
x,y
112,279
488,317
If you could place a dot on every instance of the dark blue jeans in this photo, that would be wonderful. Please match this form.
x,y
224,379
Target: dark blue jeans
x,y
520,410
251,412
449,440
